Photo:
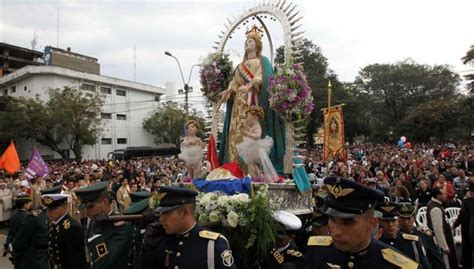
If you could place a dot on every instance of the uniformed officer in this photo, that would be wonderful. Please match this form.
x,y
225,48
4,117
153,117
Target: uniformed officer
x,y
30,247
407,220
66,237
108,242
350,207
186,244
285,254
319,221
408,244
23,203
140,205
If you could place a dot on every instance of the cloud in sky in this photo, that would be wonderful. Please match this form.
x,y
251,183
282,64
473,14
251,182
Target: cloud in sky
x,y
350,33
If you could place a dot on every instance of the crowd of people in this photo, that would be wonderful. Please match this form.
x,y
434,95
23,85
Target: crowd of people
x,y
416,176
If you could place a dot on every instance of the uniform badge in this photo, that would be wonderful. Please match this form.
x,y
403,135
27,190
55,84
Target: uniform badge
x,y
227,258
320,241
278,257
398,259
66,224
338,191
101,250
335,266
387,208
167,258
47,200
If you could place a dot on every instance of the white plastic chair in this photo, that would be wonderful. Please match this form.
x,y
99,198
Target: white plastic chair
x,y
452,214
421,219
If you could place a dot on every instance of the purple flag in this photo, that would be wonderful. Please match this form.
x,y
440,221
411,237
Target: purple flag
x,y
36,166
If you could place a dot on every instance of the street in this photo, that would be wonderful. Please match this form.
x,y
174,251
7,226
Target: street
x,y
4,262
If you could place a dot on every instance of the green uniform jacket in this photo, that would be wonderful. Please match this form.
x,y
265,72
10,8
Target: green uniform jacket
x,y
15,223
433,252
30,247
108,244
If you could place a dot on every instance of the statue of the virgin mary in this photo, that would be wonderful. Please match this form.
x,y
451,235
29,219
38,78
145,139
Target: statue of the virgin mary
x,y
249,87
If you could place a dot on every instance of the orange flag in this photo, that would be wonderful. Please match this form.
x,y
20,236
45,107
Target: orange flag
x,y
10,161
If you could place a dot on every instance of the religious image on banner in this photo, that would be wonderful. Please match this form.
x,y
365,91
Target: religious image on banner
x,y
37,166
333,134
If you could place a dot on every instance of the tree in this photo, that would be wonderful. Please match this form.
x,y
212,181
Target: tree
x,y
395,90
69,116
469,59
167,123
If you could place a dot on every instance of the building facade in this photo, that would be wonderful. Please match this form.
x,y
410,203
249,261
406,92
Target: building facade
x,y
126,104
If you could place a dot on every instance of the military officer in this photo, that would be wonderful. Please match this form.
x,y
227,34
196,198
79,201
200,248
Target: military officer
x,y
408,244
350,207
23,203
407,220
140,205
108,242
30,247
186,244
285,254
66,237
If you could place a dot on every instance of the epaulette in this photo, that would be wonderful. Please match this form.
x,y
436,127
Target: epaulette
x,y
209,235
410,237
323,241
294,253
398,259
66,224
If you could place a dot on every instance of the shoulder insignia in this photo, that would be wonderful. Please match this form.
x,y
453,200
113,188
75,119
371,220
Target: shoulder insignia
x,y
209,235
278,257
101,250
337,191
319,241
294,253
66,224
398,259
36,212
411,237
335,266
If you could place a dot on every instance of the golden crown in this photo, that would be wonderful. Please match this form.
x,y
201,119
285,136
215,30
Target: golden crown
x,y
254,32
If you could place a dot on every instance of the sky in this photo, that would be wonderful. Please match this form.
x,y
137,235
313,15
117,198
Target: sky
x,y
351,34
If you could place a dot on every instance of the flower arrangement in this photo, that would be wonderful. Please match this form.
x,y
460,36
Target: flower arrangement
x,y
243,220
290,94
215,75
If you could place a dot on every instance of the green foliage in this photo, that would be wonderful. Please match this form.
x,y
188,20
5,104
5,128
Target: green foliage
x,y
469,59
167,123
70,116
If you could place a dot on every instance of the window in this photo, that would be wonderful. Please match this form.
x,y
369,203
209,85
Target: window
x,y
121,117
106,141
25,88
106,116
105,90
14,89
5,92
121,140
88,87
121,92
157,97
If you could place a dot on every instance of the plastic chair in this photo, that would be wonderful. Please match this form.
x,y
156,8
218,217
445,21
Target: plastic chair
x,y
421,219
452,214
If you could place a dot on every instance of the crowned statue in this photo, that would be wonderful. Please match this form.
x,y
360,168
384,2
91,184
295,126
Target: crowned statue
x,y
249,88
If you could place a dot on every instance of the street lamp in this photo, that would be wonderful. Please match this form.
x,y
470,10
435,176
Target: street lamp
x,y
187,89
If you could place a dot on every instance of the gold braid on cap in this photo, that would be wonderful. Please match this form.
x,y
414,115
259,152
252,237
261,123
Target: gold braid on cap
x,y
255,33
255,110
189,122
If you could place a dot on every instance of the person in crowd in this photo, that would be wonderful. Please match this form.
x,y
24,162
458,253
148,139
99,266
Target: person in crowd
x,y
66,238
186,244
123,195
6,203
461,184
406,220
441,229
466,220
23,204
447,187
350,207
423,193
108,242
407,244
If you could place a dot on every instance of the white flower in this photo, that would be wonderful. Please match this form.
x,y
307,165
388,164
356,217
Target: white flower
x,y
222,200
214,216
242,198
233,219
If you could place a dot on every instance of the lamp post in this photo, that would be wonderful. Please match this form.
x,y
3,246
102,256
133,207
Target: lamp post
x,y
187,89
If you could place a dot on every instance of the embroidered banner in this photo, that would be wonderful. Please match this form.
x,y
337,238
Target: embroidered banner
x,y
36,166
333,148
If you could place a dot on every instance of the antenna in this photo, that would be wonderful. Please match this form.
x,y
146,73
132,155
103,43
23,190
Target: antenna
x,y
34,41
134,63
57,31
